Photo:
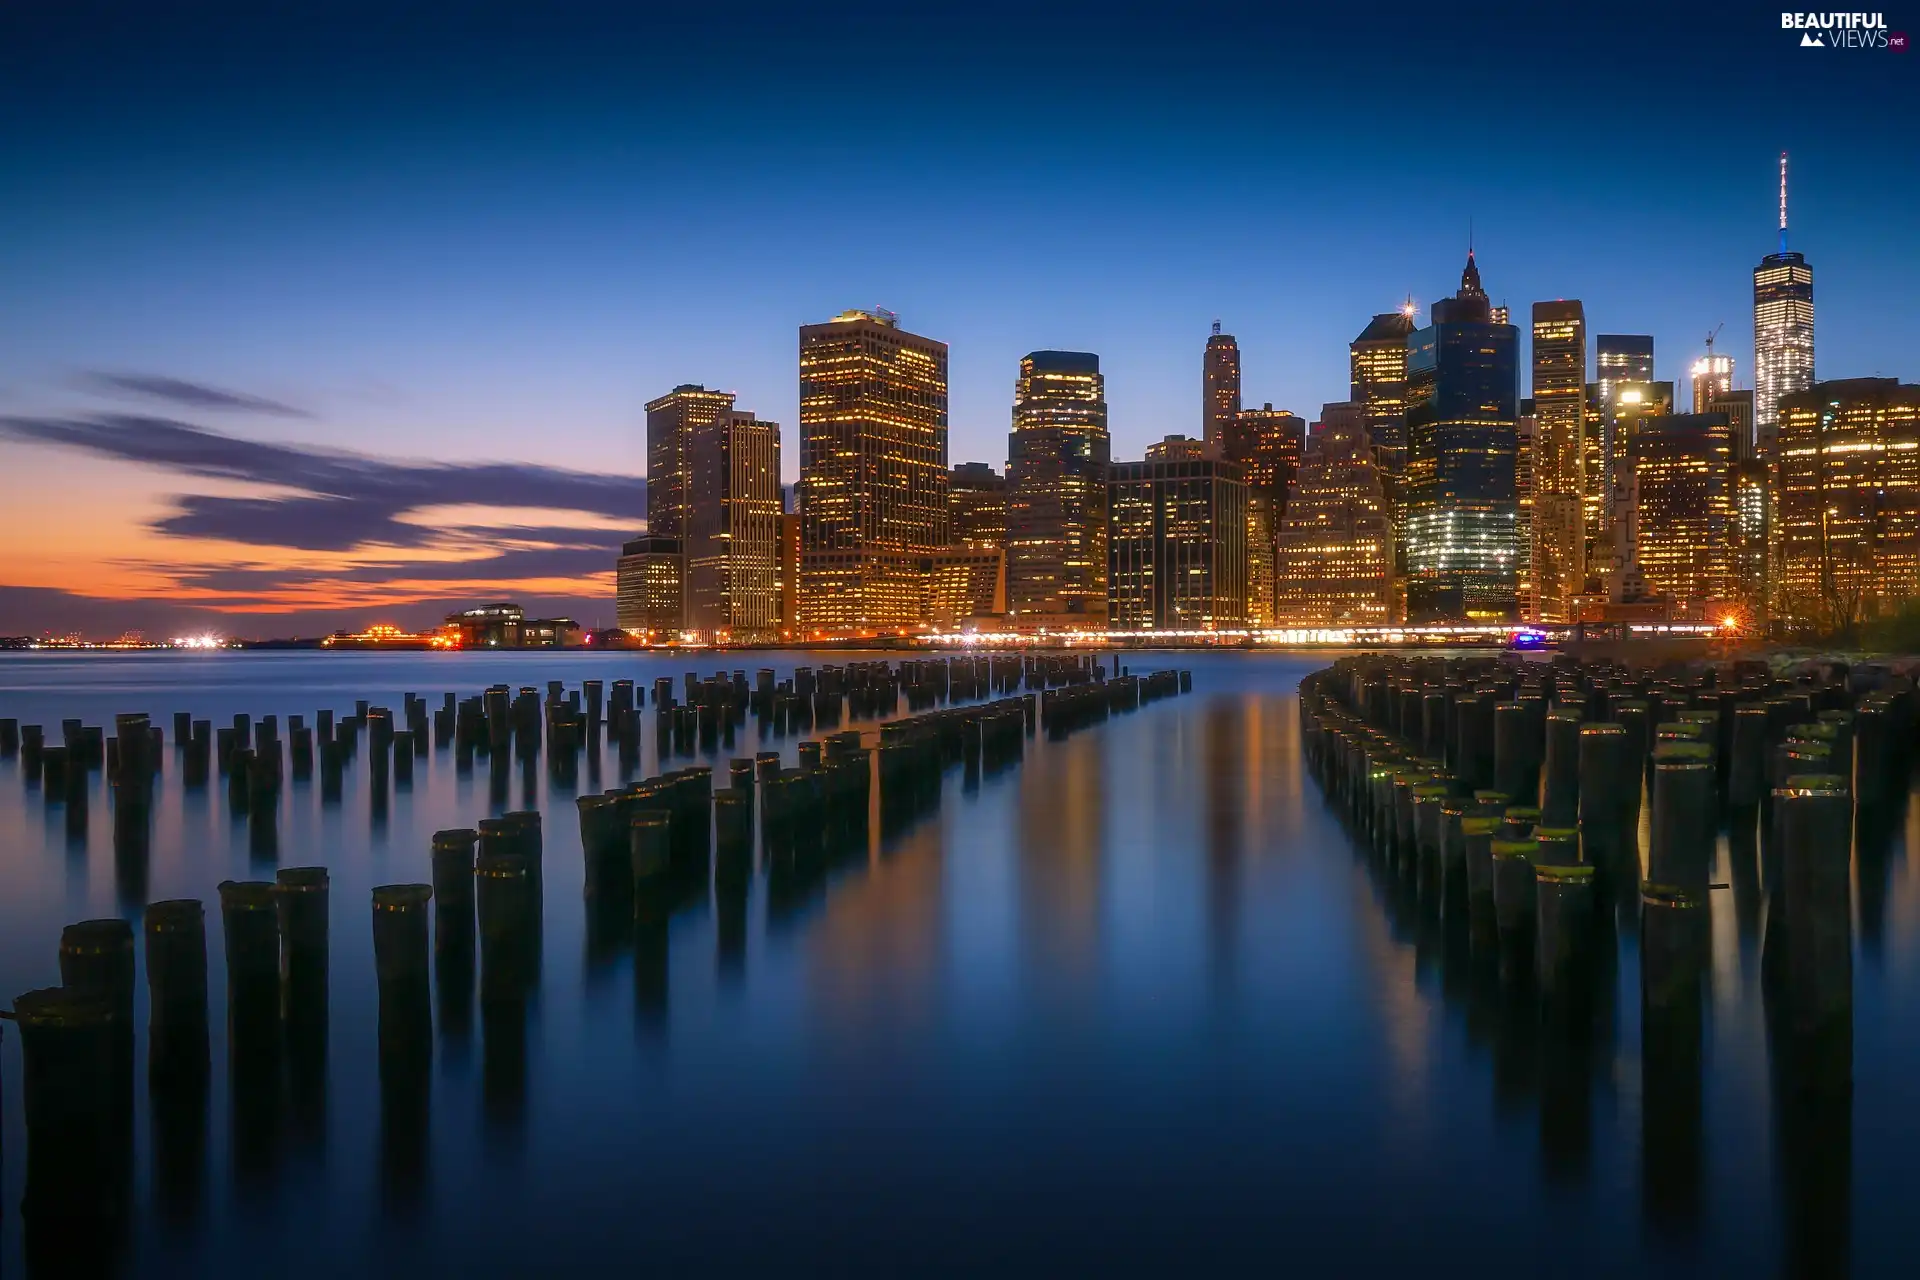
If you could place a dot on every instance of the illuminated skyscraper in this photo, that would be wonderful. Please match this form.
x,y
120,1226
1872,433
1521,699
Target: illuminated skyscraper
x,y
1753,520
1057,456
1712,378
649,600
1220,385
1177,547
1333,562
671,422
1377,364
1558,473
1526,428
1621,357
1848,515
733,528
1613,422
1687,526
873,471
1462,394
977,495
1782,324
1265,442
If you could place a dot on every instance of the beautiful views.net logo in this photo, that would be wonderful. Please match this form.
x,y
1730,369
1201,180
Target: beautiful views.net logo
x,y
1844,31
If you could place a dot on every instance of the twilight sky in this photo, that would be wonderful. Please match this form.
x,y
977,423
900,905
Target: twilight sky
x,y
314,321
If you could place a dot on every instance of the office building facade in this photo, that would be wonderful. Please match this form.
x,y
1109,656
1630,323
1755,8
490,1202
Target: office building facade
x,y
1621,357
672,420
1177,546
1687,520
1266,444
1462,538
1057,458
873,472
649,598
1557,519
1219,386
1847,515
977,495
1333,557
732,544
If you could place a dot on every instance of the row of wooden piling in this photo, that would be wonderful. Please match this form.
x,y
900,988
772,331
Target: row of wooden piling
x,y
1530,859
485,892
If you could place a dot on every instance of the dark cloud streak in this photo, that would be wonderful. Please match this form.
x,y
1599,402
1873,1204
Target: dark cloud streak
x,y
189,395
342,501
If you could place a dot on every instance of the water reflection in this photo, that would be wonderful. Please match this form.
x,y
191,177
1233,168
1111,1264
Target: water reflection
x,y
1142,964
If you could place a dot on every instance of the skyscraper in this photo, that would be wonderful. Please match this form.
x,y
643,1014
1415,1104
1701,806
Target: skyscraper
x,y
1848,514
1612,421
1377,373
977,495
1738,406
1687,526
1462,393
1333,559
1782,325
671,421
1526,428
733,528
1220,385
1057,456
1266,443
873,471
1753,520
1177,547
1618,358
648,600
1621,357
1712,378
1558,473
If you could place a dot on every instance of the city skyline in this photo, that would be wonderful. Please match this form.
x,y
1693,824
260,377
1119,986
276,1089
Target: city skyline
x,y
398,318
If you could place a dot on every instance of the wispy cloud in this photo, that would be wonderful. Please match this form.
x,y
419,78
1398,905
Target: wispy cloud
x,y
339,500
333,523
185,394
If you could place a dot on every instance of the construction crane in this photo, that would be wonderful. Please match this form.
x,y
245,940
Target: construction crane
x,y
1710,337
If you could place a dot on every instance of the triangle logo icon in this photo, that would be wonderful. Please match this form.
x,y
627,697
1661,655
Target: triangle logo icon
x,y
1808,40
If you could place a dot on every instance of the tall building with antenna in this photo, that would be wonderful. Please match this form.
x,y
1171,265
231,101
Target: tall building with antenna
x,y
1462,403
1220,387
1782,326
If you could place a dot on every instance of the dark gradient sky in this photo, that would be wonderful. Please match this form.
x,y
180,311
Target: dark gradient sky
x,y
448,240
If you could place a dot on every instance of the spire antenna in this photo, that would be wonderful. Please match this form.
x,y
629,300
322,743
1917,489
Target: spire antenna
x,y
1783,202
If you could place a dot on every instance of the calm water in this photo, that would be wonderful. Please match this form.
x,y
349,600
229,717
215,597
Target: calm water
x,y
1138,1003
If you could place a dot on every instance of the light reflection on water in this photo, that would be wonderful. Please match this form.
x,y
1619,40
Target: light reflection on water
x,y
1135,1002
